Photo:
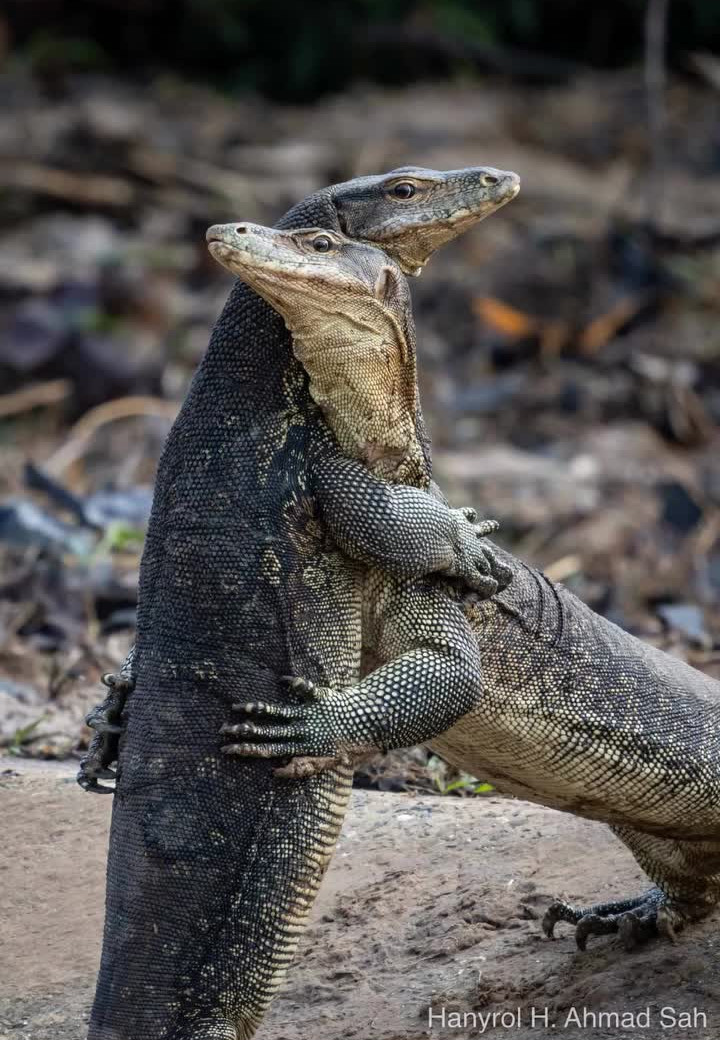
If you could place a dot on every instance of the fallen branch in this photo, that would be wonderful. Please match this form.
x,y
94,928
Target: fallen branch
x,y
81,189
38,395
163,168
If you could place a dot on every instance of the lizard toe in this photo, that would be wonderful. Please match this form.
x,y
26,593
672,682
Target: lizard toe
x,y
250,729
270,711
270,750
306,689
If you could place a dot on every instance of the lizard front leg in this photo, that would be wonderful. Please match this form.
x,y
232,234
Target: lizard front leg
x,y
432,677
407,532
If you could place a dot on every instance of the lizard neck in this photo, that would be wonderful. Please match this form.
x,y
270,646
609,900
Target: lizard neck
x,y
361,367
249,360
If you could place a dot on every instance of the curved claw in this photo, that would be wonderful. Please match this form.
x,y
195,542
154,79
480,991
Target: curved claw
x,y
90,784
118,682
104,774
91,772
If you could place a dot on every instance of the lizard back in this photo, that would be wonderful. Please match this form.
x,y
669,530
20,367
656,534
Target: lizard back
x,y
214,862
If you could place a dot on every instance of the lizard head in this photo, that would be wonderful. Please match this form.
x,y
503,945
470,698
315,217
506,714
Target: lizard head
x,y
410,212
348,309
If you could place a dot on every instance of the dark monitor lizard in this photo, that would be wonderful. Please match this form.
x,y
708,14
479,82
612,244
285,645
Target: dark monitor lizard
x,y
215,860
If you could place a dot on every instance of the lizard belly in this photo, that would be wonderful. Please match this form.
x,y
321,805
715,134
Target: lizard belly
x,y
599,724
214,862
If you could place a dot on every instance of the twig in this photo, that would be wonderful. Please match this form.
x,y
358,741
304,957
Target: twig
x,y
80,189
37,395
655,83
163,168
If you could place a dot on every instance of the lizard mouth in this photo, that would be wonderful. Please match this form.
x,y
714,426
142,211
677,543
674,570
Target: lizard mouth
x,y
215,238
219,248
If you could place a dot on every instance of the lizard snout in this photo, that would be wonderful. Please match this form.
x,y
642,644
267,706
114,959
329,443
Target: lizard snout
x,y
225,232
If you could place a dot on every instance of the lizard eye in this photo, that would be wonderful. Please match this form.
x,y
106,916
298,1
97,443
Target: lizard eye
x,y
322,244
404,190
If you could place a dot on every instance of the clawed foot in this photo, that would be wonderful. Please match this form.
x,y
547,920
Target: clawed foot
x,y
105,719
635,920
477,563
282,730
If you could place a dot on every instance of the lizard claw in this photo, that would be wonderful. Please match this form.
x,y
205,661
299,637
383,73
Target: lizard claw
x,y
89,783
476,562
258,750
280,730
97,720
117,681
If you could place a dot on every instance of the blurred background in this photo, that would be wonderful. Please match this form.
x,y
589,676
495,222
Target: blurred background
x,y
569,346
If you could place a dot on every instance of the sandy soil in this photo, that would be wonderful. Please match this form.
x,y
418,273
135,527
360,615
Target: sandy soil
x,y
429,903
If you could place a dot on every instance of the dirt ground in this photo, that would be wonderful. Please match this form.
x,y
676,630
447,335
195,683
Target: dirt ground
x,y
429,903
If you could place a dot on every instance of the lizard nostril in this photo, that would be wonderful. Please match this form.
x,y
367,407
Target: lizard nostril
x,y
240,229
489,179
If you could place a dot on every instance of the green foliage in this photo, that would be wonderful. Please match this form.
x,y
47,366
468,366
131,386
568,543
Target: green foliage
x,y
462,785
47,53
118,537
23,735
297,51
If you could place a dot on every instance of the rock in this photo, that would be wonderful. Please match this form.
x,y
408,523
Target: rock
x,y
24,524
679,508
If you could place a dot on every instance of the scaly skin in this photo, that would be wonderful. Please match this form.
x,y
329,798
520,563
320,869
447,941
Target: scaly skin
x,y
574,713
214,859
410,228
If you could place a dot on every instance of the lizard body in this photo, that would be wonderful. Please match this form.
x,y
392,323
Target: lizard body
x,y
215,860
574,713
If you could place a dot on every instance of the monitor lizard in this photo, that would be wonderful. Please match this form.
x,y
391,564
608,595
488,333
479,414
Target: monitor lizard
x,y
573,712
